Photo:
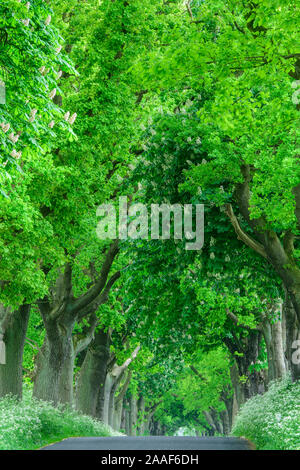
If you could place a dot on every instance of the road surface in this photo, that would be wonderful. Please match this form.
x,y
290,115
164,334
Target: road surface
x,y
151,443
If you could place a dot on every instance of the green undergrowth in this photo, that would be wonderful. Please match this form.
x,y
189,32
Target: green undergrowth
x,y
30,424
272,421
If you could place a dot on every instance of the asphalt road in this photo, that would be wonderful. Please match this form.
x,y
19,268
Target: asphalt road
x,y
151,443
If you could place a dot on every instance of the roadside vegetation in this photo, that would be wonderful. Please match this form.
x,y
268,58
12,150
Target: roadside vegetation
x,y
272,421
31,424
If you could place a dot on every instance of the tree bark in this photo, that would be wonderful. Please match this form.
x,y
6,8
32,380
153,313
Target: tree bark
x,y
92,375
225,422
13,327
119,401
53,362
141,416
292,336
133,416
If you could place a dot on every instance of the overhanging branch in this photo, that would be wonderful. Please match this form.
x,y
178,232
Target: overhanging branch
x,y
243,236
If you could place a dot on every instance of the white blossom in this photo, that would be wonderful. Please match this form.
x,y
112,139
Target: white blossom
x,y
13,137
52,94
73,118
48,20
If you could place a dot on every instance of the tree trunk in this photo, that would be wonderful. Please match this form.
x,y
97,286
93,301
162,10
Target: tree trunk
x,y
51,361
216,419
127,420
292,338
141,415
118,415
119,402
132,416
107,389
91,380
66,386
14,333
278,350
111,403
112,381
225,422
239,397
123,418
229,403
210,421
267,332
273,335
253,382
